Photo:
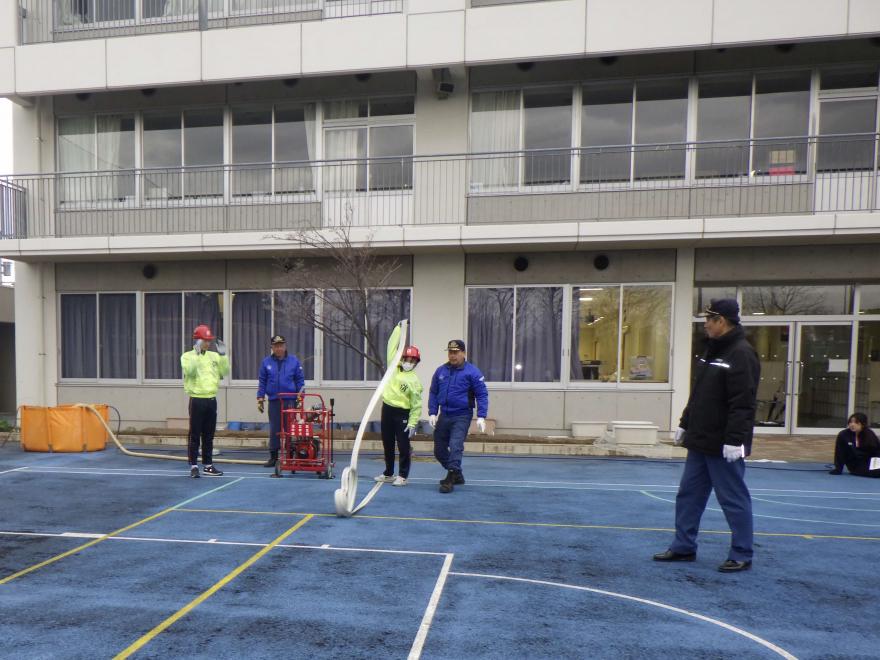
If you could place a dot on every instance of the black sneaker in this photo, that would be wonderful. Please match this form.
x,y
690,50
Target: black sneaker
x,y
446,484
211,471
836,471
271,462
194,472
459,478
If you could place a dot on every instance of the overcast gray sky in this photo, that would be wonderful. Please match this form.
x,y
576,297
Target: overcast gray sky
x,y
5,137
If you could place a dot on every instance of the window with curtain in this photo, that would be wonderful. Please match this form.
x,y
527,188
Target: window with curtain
x,y
251,152
490,331
79,336
495,127
298,331
538,347
661,119
595,321
547,125
198,309
104,143
606,132
385,308
163,335
358,129
782,110
724,115
251,330
295,135
344,316
117,335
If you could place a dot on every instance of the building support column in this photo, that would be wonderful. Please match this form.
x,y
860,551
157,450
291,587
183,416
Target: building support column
x,y
36,357
681,333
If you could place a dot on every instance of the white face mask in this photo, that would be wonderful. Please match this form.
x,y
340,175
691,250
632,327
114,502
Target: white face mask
x,y
407,366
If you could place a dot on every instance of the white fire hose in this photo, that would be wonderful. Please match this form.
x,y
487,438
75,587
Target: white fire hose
x,y
345,496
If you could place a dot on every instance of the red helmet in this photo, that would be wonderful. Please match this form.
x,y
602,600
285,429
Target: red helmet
x,y
411,352
203,332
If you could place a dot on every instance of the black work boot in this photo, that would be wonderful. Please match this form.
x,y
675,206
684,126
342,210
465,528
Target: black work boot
x,y
447,482
459,478
273,458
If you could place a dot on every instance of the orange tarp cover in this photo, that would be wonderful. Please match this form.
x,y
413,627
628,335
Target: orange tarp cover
x,y
67,428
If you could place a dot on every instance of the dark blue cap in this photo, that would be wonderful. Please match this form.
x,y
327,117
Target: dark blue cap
x,y
726,307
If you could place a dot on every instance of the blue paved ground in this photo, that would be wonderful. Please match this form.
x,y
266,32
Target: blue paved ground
x,y
533,558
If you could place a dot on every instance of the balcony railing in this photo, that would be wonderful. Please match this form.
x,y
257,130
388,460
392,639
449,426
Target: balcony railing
x,y
738,178
65,20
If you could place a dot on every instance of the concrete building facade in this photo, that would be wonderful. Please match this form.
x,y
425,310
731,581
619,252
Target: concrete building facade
x,y
564,184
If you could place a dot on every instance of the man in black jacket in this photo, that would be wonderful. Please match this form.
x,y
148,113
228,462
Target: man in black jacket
x,y
716,428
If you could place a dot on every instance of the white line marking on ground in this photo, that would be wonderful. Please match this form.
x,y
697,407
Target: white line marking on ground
x,y
764,515
81,535
18,469
739,631
813,506
416,651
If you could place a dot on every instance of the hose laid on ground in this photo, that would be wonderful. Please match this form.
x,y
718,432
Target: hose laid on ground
x,y
345,496
141,454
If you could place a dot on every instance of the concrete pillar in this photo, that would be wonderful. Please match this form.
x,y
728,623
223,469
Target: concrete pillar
x,y
681,333
36,357
438,310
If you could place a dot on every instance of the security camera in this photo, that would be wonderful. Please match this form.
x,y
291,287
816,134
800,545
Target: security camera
x,y
443,85
444,89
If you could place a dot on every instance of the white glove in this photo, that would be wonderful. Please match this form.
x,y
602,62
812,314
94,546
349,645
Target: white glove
x,y
221,347
199,346
410,431
678,439
481,424
733,453
432,420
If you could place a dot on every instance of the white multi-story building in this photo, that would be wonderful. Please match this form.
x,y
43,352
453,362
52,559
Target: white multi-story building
x,y
564,184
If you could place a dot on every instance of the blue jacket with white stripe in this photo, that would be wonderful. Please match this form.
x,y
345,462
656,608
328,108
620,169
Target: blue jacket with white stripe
x,y
455,390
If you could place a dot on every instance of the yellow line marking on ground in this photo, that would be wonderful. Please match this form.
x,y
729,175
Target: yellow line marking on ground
x,y
198,600
73,551
808,536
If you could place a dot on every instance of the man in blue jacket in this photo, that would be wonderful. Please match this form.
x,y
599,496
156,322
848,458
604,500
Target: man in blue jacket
x,y
280,373
455,387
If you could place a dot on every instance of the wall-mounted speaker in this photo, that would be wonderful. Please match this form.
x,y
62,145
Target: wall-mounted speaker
x,y
150,271
601,262
520,264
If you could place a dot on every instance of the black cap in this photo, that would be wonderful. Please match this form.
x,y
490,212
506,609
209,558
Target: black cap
x,y
726,307
278,339
455,345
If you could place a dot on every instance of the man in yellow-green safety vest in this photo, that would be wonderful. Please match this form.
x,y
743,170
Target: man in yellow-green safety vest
x,y
203,369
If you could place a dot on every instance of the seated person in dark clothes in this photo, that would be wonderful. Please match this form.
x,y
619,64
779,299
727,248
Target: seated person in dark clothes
x,y
856,445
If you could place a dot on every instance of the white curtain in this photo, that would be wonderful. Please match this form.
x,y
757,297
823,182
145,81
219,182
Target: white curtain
x,y
348,144
76,153
495,127
114,154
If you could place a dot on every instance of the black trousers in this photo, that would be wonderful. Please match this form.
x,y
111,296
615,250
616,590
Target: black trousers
x,y
394,422
854,460
202,424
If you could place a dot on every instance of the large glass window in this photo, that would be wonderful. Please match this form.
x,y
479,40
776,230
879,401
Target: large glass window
x,y
853,122
868,371
294,143
644,345
546,126
796,300
782,110
538,345
104,143
163,335
163,151
704,295
495,126
98,336
724,117
203,150
490,331
661,119
606,132
252,145
385,308
293,312
595,326
869,299
251,329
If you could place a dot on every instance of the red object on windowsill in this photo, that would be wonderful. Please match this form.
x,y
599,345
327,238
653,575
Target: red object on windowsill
x,y
781,170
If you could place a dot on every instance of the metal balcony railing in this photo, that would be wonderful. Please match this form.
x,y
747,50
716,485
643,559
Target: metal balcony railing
x,y
65,20
685,180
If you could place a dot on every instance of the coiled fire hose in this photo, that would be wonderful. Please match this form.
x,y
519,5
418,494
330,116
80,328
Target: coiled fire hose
x,y
345,496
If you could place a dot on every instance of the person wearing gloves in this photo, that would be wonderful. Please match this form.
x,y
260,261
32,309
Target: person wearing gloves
x,y
280,373
203,369
401,407
716,428
455,387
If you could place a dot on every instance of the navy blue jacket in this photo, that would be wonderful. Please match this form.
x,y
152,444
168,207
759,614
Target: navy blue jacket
x,y
279,376
454,391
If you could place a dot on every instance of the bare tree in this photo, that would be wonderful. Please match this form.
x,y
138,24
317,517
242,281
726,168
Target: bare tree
x,y
345,277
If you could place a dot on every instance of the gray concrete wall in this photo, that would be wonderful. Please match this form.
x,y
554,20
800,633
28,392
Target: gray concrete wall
x,y
7,304
571,267
819,263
